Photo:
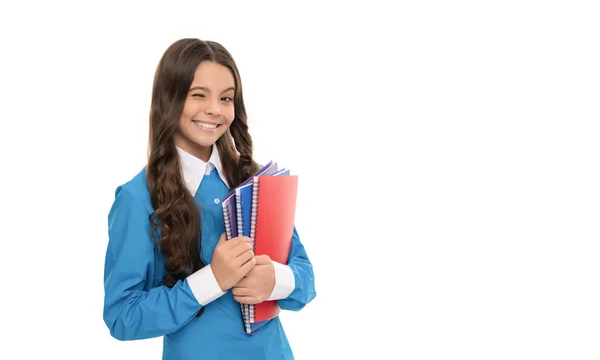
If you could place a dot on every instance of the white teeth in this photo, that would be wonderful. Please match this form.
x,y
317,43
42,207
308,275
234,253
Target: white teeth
x,y
205,125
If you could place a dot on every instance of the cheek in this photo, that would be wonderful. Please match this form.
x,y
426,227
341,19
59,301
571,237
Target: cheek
x,y
184,119
187,112
229,114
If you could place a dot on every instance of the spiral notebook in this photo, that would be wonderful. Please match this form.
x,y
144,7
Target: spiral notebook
x,y
237,225
244,195
241,212
271,227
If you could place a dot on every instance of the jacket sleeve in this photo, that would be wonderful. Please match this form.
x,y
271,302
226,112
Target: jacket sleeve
x,y
294,282
133,308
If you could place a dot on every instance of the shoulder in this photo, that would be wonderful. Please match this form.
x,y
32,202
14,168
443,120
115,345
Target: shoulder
x,y
134,192
129,228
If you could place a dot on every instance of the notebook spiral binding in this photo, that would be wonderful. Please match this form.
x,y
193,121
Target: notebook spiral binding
x,y
243,307
238,203
254,210
240,225
255,188
227,221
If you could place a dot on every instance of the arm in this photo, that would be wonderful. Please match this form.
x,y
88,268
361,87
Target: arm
x,y
133,309
294,282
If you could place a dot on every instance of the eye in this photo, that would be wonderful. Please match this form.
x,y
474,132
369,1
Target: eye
x,y
226,99
198,95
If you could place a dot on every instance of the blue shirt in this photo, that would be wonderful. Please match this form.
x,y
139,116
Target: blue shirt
x,y
138,306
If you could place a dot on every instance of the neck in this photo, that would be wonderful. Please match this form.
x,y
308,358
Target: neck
x,y
201,152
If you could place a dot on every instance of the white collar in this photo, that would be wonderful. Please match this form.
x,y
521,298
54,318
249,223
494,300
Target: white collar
x,y
194,169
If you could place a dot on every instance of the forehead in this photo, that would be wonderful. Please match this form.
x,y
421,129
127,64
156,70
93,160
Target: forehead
x,y
212,75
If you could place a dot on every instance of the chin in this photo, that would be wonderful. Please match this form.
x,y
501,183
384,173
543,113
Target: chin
x,y
206,140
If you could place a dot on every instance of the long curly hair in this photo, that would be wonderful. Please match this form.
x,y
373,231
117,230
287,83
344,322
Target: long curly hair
x,y
176,223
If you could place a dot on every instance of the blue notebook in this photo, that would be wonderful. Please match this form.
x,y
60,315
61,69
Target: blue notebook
x,y
243,207
229,215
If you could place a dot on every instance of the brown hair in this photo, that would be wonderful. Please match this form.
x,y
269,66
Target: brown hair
x,y
176,213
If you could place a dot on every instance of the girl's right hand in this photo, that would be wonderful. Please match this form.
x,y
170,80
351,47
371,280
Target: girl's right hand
x,y
232,260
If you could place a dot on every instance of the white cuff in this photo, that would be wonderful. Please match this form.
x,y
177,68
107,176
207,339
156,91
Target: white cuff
x,y
284,282
204,286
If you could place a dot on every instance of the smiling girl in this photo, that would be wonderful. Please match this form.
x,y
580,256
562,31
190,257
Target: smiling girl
x,y
169,270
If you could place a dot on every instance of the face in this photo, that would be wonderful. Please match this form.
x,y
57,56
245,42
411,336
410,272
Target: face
x,y
208,110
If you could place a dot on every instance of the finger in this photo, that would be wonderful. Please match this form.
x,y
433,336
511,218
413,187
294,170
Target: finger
x,y
248,265
237,241
243,283
241,291
263,259
231,243
242,248
223,238
246,300
244,258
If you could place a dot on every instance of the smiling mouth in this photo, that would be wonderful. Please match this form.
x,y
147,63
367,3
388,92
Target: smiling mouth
x,y
205,125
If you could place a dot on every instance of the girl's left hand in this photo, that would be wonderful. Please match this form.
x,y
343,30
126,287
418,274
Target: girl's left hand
x,y
258,284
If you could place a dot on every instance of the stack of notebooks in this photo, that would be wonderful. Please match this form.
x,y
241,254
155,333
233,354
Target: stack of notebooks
x,y
263,208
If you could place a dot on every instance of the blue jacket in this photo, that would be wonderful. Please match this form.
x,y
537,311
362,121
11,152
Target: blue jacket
x,y
138,306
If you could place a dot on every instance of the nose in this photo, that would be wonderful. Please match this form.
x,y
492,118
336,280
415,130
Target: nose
x,y
213,109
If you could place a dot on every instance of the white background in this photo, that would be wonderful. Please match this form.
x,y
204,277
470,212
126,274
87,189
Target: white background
x,y
448,154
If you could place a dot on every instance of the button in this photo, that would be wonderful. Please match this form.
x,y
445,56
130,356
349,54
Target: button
x,y
217,200
207,172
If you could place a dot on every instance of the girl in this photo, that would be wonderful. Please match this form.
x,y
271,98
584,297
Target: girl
x,y
168,269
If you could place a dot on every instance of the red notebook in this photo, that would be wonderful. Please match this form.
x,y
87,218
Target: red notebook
x,y
273,213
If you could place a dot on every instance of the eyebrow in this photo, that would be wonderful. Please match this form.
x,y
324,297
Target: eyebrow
x,y
206,89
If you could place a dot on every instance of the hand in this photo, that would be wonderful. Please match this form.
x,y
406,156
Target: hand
x,y
258,284
231,260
